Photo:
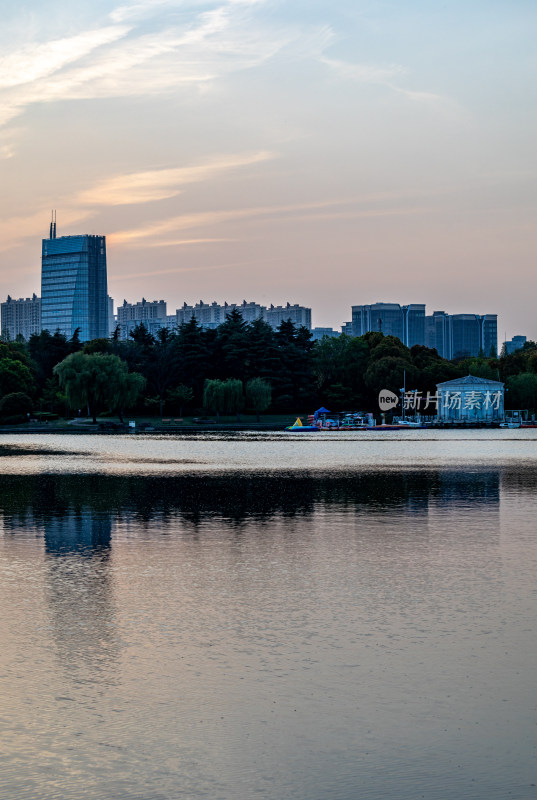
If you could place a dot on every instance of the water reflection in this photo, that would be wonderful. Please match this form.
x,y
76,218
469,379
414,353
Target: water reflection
x,y
77,530
284,635
81,610
77,512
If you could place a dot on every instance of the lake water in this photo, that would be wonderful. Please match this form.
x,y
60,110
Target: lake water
x,y
280,616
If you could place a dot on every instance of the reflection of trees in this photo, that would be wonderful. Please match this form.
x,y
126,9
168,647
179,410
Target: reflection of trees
x,y
76,511
519,479
461,487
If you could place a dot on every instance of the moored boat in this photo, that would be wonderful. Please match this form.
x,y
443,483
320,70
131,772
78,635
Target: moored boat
x,y
325,420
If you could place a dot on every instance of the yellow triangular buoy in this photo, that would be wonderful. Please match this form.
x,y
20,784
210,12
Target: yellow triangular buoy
x,y
298,423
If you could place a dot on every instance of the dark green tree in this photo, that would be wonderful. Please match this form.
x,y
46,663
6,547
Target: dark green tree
x,y
17,403
522,391
141,336
390,373
295,378
232,341
162,367
180,396
194,355
263,359
47,350
14,377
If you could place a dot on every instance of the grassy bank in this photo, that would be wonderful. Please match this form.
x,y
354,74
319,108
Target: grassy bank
x,y
110,424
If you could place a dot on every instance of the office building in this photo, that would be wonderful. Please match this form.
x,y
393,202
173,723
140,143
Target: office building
x,y
320,333
111,317
413,324
21,317
74,285
430,333
462,335
384,317
438,333
488,324
392,319
516,343
346,329
152,313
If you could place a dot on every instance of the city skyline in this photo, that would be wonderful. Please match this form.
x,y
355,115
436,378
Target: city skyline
x,y
281,152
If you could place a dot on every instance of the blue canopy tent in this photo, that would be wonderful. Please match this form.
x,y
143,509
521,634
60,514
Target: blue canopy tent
x,y
321,410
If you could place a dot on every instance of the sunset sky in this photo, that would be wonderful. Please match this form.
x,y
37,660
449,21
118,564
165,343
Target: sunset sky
x,y
325,153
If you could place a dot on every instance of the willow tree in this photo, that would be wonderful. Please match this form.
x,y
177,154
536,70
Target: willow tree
x,y
223,397
213,397
233,396
258,395
98,381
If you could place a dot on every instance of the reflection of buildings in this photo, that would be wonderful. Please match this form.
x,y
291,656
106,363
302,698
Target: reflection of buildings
x,y
77,530
80,601
474,490
75,516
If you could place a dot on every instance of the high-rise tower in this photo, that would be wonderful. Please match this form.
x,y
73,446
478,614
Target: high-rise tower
x,y
74,285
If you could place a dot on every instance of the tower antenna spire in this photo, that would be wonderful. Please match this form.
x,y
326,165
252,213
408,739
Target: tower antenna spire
x,y
52,234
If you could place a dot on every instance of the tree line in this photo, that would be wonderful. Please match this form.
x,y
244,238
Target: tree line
x,y
236,367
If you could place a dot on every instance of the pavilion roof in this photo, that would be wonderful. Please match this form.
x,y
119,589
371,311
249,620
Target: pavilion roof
x,y
471,380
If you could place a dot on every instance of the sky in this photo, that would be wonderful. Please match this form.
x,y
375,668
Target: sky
x,y
322,153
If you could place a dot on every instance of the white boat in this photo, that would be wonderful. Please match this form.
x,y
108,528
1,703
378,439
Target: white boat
x,y
407,423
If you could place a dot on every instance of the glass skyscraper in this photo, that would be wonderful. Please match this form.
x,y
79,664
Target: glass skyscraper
x,y
405,322
74,286
462,335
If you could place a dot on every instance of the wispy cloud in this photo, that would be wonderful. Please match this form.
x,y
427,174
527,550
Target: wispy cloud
x,y
180,270
388,76
33,62
150,185
364,73
186,242
124,59
211,219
